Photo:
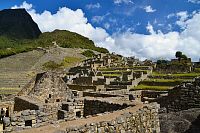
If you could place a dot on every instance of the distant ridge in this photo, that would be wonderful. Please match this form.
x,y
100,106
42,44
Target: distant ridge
x,y
17,23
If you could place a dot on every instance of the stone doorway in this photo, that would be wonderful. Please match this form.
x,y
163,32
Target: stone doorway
x,y
78,114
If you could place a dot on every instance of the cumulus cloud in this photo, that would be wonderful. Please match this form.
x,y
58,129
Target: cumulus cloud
x,y
93,6
155,45
149,9
194,1
160,45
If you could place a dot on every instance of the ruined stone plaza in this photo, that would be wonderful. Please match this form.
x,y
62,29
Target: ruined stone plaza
x,y
96,95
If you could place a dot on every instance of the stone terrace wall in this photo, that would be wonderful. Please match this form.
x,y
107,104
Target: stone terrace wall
x,y
184,96
144,120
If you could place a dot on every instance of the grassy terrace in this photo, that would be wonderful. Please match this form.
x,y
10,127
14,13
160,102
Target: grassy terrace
x,y
165,83
9,90
123,71
184,76
123,68
156,88
112,75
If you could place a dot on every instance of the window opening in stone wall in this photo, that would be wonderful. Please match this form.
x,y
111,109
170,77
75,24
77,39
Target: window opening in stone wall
x,y
28,123
57,100
65,107
78,114
49,95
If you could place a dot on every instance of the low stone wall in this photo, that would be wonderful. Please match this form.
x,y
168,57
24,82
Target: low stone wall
x,y
92,107
144,120
94,94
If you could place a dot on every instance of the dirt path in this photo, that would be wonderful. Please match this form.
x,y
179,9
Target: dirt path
x,y
62,126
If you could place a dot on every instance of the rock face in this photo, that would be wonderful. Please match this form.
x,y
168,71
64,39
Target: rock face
x,y
186,121
17,23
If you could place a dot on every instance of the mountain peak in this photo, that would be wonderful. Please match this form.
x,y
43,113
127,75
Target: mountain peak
x,y
17,23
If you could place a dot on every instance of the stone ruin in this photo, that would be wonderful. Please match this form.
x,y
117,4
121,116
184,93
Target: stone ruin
x,y
83,94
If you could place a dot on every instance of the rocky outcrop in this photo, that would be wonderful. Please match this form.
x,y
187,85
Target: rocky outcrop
x,y
17,23
186,121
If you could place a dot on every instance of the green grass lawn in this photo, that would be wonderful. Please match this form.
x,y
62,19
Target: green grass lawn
x,y
112,75
176,76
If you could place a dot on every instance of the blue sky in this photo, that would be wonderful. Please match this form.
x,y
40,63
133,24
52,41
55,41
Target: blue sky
x,y
130,22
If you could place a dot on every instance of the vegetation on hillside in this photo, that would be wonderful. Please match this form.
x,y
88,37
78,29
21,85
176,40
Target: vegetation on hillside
x,y
67,61
63,38
88,53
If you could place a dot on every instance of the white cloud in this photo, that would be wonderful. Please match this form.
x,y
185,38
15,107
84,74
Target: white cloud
x,y
149,9
194,1
171,15
149,28
107,25
153,46
92,6
25,5
182,16
97,19
123,1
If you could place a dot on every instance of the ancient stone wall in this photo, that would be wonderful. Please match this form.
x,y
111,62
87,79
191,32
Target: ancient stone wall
x,y
94,94
173,68
21,104
92,107
83,81
71,110
184,96
144,120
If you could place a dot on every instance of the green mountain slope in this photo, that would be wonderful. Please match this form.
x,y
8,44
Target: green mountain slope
x,y
65,39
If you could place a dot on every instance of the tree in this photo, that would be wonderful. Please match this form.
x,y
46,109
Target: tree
x,y
178,54
184,57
